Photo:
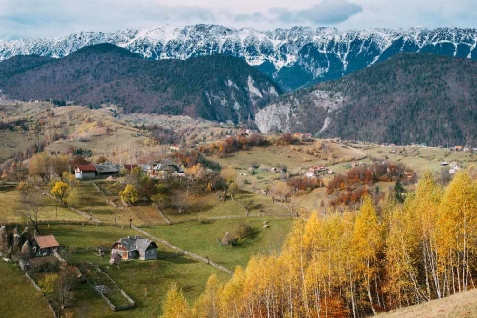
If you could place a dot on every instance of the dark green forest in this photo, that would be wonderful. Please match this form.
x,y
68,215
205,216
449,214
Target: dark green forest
x,y
410,98
212,87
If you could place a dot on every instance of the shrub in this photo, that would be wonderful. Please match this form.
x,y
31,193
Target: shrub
x,y
129,195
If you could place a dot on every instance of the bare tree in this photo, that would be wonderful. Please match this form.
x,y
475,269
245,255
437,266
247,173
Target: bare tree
x,y
247,205
63,294
31,203
282,190
179,201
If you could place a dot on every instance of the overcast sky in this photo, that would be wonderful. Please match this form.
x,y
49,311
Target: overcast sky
x,y
48,18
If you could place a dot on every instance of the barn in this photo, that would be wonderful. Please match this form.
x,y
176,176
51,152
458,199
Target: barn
x,y
85,172
135,247
44,245
107,169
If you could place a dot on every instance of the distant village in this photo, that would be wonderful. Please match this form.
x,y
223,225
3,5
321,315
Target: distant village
x,y
109,169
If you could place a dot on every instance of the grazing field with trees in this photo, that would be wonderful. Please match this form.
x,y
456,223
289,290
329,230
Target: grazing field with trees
x,y
306,227
360,263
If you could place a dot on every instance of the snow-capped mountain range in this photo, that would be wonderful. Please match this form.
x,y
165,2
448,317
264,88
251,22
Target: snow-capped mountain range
x,y
294,57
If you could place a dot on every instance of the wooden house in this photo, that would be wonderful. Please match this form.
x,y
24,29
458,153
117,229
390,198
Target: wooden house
x,y
44,245
165,168
107,169
85,172
135,247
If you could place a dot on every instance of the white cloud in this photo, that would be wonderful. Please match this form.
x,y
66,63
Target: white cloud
x,y
46,18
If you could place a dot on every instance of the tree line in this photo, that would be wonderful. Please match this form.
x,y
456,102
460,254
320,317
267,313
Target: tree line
x,y
354,264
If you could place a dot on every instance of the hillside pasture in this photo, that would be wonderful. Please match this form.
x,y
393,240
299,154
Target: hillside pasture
x,y
99,131
421,159
13,142
458,305
201,207
146,282
50,212
92,201
19,297
203,238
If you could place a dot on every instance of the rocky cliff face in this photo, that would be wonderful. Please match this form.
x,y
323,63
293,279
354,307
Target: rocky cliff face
x,y
295,57
293,112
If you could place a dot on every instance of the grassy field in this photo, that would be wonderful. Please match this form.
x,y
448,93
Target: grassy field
x,y
458,305
146,282
90,200
289,156
19,298
201,207
13,142
52,211
202,238
422,158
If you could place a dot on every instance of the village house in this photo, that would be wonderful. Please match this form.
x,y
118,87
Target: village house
x,y
85,172
164,168
134,247
454,167
44,245
107,169
174,148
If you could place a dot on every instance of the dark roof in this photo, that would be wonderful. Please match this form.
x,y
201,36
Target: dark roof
x,y
166,163
136,243
86,168
46,241
108,167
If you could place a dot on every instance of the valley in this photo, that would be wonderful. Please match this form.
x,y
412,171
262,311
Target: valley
x,y
253,201
206,171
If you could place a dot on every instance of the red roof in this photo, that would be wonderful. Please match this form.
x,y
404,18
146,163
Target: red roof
x,y
46,241
86,168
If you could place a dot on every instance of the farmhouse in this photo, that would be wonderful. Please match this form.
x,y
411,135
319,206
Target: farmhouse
x,y
44,245
134,247
107,169
164,168
85,172
174,147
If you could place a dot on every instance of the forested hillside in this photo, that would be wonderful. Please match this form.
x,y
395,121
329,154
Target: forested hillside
x,y
213,87
410,98
354,264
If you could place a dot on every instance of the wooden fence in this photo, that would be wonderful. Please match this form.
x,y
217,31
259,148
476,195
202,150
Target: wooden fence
x,y
131,302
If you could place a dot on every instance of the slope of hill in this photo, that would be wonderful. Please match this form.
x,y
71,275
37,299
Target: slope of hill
x,y
459,305
213,87
410,98
295,57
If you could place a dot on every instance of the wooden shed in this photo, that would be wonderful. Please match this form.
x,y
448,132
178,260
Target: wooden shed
x,y
44,245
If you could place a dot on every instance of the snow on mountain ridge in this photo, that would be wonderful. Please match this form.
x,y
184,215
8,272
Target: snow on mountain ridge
x,y
323,53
